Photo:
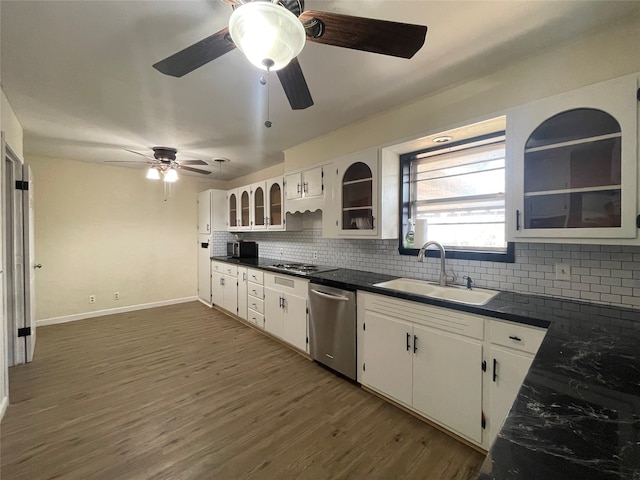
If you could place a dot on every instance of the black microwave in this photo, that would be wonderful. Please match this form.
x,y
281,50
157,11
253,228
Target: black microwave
x,y
242,249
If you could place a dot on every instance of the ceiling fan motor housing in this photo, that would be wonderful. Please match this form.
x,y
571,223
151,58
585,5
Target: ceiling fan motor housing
x,y
165,154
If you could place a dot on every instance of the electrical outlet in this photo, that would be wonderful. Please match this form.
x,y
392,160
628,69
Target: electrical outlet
x,y
92,299
563,271
116,295
315,255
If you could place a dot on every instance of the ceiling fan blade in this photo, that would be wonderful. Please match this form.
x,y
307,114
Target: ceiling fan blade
x,y
126,161
196,170
295,86
196,55
141,154
367,34
192,162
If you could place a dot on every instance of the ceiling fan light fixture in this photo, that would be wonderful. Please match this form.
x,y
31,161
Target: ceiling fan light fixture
x,y
268,34
171,175
153,174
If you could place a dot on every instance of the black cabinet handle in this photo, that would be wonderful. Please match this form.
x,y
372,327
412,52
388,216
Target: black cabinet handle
x,y
517,219
408,340
415,344
513,337
495,369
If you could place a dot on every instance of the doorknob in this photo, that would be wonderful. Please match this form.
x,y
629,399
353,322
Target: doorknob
x,y
37,265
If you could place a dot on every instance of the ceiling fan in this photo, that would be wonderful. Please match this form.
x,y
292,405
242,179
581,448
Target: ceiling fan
x,y
164,164
271,34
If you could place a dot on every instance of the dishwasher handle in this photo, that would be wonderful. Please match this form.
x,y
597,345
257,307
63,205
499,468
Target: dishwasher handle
x,y
332,297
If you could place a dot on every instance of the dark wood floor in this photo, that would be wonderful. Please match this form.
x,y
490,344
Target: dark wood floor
x,y
184,392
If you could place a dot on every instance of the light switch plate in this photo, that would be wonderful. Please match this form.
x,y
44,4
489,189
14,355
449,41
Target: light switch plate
x,y
563,271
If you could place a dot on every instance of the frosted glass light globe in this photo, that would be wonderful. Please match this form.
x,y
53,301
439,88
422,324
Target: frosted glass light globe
x,y
171,175
268,34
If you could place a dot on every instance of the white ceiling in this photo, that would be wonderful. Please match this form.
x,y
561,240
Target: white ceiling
x,y
78,73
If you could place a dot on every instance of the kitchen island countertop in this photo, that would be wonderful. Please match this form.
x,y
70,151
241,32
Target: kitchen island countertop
x,y
577,415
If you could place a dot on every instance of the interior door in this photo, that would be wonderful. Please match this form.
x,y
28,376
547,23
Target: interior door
x,y
29,264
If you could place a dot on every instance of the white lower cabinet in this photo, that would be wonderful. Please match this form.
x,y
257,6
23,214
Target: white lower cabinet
x,y
510,354
447,380
430,359
285,309
425,360
242,292
255,297
224,286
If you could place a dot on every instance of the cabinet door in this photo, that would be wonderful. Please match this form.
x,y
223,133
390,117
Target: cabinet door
x,y
217,289
387,356
230,295
232,210
312,182
574,164
447,380
506,370
242,292
274,205
293,186
357,196
295,321
258,219
204,212
273,319
244,195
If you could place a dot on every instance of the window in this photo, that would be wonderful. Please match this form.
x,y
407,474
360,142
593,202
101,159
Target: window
x,y
457,192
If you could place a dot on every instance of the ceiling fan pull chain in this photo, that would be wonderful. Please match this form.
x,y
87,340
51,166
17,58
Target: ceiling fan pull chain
x,y
268,122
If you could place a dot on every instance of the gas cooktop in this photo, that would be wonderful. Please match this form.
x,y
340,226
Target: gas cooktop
x,y
301,268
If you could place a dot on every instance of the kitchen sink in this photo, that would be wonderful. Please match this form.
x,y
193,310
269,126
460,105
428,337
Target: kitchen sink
x,y
475,296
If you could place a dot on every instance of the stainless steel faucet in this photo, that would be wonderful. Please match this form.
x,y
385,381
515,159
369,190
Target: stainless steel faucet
x,y
444,278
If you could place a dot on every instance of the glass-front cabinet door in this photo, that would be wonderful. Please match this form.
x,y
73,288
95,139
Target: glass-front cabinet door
x,y
258,207
232,199
575,163
245,215
274,204
357,196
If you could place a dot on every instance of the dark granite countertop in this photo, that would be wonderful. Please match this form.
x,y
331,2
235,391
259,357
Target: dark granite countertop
x,y
577,415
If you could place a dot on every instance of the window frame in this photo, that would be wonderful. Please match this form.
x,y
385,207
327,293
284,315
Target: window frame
x,y
507,256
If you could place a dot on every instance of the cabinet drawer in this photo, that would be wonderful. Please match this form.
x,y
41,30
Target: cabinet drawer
x,y
255,290
516,336
256,304
230,270
255,318
218,267
256,276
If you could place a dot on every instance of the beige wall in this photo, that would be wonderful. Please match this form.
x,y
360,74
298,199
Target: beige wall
x,y
102,229
264,174
597,56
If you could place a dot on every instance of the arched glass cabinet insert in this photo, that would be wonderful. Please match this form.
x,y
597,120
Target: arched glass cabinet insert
x,y
357,198
275,205
259,215
244,203
572,172
233,210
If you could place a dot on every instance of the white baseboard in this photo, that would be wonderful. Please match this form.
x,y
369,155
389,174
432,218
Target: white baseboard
x,y
205,303
111,311
3,406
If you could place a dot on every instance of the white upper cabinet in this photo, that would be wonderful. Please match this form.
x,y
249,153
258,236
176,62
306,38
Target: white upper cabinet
x,y
239,209
258,203
573,166
304,191
204,212
211,211
275,203
364,196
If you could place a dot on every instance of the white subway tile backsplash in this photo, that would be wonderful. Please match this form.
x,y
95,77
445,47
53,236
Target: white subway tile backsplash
x,y
599,273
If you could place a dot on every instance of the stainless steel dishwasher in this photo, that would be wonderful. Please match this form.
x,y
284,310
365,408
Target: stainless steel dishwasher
x,y
332,328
